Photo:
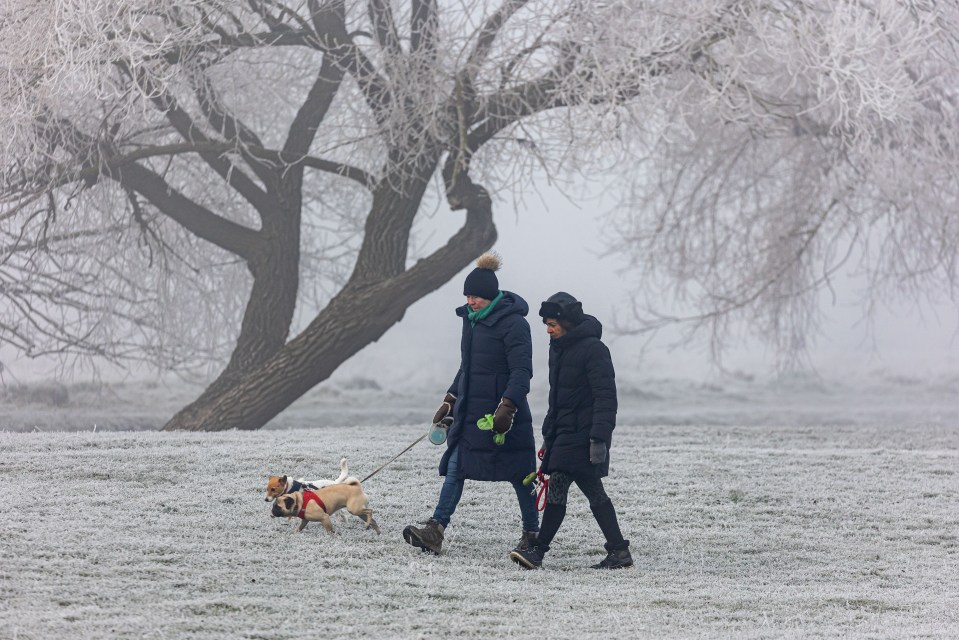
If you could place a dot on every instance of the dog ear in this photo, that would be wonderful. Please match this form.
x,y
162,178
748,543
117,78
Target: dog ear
x,y
283,479
290,502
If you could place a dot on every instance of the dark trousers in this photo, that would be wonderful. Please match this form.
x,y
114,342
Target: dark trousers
x,y
599,504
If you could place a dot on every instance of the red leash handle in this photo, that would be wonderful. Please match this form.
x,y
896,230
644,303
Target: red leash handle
x,y
543,491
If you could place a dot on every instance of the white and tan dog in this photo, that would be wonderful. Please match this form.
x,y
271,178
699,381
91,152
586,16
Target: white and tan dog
x,y
276,486
316,506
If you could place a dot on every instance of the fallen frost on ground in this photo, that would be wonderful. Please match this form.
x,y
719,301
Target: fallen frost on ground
x,y
738,530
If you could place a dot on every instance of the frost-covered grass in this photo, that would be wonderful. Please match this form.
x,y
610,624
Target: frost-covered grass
x,y
737,531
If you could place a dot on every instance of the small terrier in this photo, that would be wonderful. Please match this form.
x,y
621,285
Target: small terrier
x,y
278,485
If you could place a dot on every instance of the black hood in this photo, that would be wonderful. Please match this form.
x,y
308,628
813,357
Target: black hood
x,y
562,306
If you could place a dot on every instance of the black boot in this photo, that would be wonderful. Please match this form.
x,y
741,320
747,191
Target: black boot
x,y
531,558
526,541
616,559
617,549
428,538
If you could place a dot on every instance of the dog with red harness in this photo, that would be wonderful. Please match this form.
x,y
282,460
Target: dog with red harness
x,y
317,505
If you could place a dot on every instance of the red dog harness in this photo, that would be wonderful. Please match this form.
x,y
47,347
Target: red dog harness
x,y
309,496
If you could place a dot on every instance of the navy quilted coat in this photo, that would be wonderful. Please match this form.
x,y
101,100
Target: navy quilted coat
x,y
582,400
496,362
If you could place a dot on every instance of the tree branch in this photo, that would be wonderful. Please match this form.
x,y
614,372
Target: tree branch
x,y
311,114
183,123
384,26
229,127
199,220
423,23
330,24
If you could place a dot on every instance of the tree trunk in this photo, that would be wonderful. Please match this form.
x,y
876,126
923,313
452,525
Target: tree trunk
x,y
360,314
268,313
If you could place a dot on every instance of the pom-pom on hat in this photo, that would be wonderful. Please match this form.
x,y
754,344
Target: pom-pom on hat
x,y
562,306
482,280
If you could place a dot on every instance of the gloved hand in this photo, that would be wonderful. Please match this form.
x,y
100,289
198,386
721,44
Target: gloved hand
x,y
444,415
597,451
543,455
503,416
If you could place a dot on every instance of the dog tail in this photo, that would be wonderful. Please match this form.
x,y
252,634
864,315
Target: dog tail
x,y
352,480
343,472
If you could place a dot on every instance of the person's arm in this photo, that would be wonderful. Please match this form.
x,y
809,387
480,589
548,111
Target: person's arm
x,y
548,436
456,382
519,359
549,425
602,382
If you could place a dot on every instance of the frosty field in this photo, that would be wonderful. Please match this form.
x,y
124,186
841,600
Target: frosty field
x,y
750,530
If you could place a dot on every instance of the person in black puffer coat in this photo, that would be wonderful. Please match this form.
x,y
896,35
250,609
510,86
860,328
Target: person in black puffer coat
x,y
578,429
493,379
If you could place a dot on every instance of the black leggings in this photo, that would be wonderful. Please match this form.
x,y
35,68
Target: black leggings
x,y
559,482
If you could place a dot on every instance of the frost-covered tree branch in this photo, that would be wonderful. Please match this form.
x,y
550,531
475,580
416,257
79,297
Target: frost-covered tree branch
x,y
815,136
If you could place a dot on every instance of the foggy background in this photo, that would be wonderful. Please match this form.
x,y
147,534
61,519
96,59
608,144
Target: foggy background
x,y
548,243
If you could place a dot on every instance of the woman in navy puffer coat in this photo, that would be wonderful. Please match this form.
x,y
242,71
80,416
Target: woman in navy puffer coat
x,y
578,429
496,363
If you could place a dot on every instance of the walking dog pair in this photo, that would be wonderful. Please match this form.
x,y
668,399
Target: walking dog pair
x,y
316,501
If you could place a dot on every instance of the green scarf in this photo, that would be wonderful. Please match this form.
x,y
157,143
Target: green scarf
x,y
476,316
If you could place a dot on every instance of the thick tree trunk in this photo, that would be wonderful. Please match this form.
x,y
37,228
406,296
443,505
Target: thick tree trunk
x,y
268,313
360,314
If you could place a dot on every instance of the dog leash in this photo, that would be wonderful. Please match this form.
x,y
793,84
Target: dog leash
x,y
395,457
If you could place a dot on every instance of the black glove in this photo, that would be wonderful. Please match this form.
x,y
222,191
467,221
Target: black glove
x,y
503,416
444,415
597,451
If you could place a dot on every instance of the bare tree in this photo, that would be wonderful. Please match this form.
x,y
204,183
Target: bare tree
x,y
152,147
820,137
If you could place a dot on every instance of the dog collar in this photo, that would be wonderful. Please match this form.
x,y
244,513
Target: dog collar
x,y
309,496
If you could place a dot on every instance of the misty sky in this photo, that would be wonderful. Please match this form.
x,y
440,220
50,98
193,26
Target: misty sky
x,y
544,252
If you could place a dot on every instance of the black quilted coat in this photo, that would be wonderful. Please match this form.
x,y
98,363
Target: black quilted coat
x,y
582,400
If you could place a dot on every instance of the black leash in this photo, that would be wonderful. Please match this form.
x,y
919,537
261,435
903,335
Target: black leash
x,y
394,457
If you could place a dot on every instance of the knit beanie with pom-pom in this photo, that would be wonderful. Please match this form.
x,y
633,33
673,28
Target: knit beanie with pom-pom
x,y
481,281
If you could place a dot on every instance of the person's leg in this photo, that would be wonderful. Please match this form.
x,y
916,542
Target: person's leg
x,y
555,510
430,536
553,515
617,548
451,492
527,506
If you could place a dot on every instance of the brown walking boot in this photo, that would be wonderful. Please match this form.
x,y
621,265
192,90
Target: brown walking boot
x,y
428,537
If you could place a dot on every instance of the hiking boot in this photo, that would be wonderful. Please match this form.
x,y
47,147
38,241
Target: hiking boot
x,y
531,558
616,559
527,541
428,538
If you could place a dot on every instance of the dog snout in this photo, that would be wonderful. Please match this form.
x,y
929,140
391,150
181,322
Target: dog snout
x,y
275,511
